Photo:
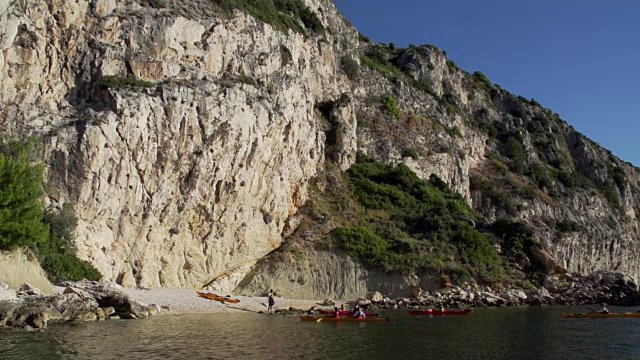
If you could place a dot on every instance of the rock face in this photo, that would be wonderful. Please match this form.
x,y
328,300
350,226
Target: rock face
x,y
321,274
186,141
189,179
19,267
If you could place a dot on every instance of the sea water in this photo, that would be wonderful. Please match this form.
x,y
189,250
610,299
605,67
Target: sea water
x,y
487,333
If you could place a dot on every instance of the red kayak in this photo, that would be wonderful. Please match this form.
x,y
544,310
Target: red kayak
x,y
343,312
439,312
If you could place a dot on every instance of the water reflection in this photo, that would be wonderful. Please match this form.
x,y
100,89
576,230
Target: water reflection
x,y
506,333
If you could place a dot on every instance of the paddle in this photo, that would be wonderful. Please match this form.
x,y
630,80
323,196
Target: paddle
x,y
319,319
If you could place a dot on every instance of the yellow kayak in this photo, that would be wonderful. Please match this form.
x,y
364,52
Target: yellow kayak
x,y
222,299
323,319
596,315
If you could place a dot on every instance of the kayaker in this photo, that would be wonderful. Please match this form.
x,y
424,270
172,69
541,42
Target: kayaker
x,y
336,312
271,300
359,314
342,310
356,307
603,309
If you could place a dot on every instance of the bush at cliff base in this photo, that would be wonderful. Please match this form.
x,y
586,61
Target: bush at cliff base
x,y
23,221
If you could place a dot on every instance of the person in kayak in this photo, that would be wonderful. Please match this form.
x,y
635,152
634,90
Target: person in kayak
x,y
358,313
336,312
271,300
603,309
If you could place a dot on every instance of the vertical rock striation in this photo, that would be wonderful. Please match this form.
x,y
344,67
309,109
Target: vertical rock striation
x,y
191,170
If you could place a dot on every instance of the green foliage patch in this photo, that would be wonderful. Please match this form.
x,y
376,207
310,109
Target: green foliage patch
x,y
57,255
363,243
391,105
351,67
515,237
117,82
482,79
413,223
23,221
283,15
411,152
515,151
493,195
21,192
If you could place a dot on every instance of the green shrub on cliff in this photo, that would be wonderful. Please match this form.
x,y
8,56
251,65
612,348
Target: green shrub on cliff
x,y
350,66
410,223
281,14
363,243
515,237
482,79
21,193
391,105
117,82
23,221
57,255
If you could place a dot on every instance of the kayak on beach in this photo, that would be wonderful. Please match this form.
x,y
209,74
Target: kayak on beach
x,y
320,319
439,312
222,299
342,312
598,315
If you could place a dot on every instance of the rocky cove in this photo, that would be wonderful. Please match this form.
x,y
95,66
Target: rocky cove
x,y
29,309
195,145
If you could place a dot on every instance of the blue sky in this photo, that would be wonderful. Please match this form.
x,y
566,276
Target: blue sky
x,y
579,58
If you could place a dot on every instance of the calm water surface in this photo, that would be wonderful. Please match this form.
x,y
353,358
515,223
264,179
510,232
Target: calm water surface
x,y
504,333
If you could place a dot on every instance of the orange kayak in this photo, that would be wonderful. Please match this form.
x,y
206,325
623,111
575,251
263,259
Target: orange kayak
x,y
222,299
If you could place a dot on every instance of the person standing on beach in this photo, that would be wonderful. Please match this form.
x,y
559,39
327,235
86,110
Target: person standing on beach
x,y
271,301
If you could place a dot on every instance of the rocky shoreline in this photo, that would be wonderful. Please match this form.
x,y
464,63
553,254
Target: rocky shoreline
x,y
609,287
29,309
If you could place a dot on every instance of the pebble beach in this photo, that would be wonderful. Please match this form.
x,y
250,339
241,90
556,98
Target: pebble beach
x,y
185,301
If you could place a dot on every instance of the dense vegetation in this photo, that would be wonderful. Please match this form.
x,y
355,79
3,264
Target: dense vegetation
x,y
23,222
281,14
21,217
57,255
406,224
